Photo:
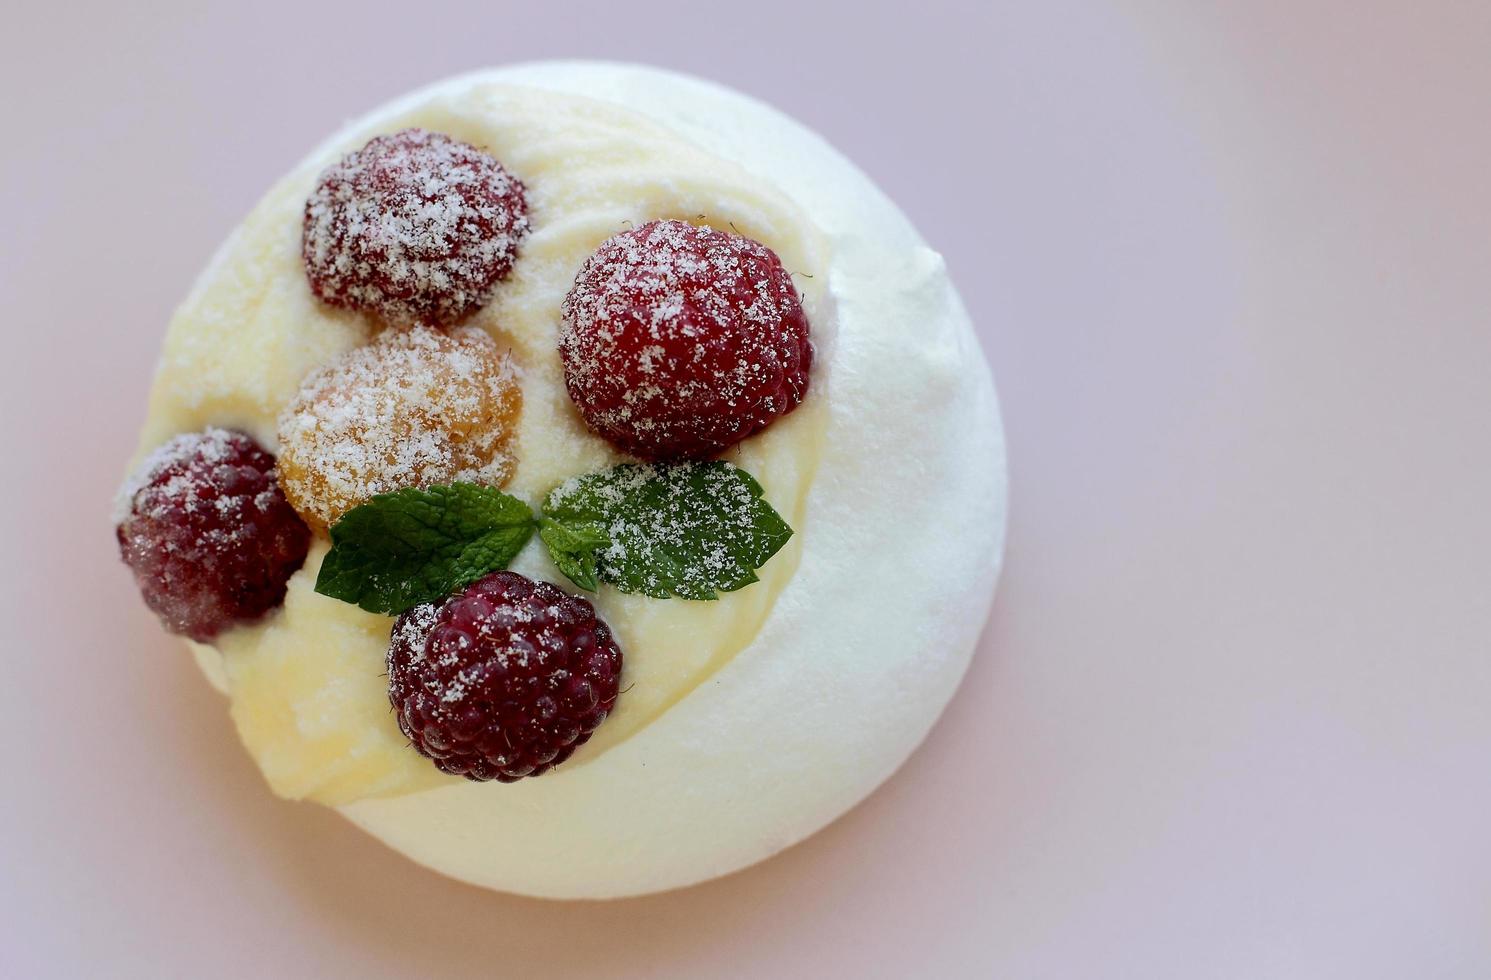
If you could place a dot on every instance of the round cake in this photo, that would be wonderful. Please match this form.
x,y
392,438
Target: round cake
x,y
579,475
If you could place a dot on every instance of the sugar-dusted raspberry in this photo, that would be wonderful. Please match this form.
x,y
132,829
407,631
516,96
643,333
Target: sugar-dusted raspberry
x,y
413,226
503,680
679,341
208,534
414,408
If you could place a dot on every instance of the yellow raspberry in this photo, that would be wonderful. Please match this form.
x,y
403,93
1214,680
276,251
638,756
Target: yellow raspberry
x,y
415,408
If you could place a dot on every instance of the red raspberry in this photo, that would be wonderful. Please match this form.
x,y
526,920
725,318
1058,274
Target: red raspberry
x,y
680,341
413,226
503,680
208,534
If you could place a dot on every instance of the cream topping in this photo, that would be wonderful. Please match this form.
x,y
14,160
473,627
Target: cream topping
x,y
307,684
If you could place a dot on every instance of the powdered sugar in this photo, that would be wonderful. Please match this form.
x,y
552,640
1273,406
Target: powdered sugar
x,y
413,627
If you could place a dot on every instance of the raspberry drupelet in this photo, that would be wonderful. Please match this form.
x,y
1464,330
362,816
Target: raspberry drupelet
x,y
503,680
208,534
678,341
413,226
414,408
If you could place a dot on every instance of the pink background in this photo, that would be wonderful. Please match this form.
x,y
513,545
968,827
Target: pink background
x,y
1232,717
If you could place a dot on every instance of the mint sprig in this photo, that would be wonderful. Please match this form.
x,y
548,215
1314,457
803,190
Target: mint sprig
x,y
690,530
412,546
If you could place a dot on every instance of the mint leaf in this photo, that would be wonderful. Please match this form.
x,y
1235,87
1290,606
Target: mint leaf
x,y
412,546
573,548
691,530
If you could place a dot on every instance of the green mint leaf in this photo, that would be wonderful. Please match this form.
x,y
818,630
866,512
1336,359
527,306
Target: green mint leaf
x,y
574,549
691,530
412,546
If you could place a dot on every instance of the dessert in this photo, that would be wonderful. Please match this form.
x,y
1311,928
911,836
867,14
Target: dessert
x,y
634,435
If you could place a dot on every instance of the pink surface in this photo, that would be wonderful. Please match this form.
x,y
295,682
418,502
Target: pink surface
x,y
1231,716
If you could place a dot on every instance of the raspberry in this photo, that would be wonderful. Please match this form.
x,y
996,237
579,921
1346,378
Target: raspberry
x,y
679,341
413,226
414,408
208,533
503,680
